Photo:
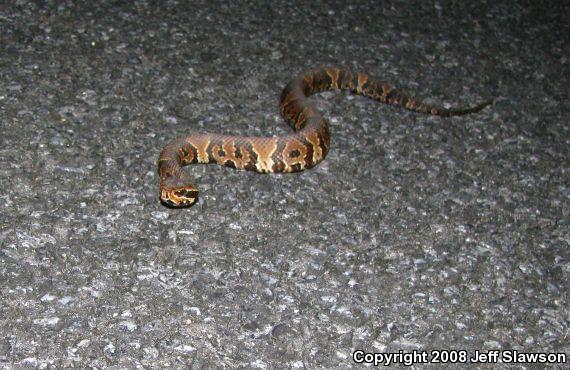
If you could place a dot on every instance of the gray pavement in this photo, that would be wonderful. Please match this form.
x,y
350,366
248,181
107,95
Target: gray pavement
x,y
416,233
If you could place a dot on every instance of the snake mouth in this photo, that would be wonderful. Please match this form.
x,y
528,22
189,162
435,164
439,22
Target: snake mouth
x,y
182,204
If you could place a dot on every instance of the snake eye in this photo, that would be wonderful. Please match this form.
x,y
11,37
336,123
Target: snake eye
x,y
294,153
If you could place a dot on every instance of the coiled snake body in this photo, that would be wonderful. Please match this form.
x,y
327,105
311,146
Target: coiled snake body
x,y
304,148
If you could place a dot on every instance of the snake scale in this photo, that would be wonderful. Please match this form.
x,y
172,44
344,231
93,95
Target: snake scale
x,y
304,148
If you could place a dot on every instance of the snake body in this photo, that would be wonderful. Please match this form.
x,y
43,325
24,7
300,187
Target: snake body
x,y
304,148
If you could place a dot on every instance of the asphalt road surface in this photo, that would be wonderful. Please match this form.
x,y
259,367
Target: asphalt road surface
x,y
440,238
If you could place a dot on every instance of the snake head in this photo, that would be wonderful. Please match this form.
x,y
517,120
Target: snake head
x,y
176,193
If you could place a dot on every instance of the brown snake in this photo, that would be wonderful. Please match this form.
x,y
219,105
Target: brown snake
x,y
304,148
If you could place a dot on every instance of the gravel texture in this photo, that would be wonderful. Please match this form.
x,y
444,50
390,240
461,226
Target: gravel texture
x,y
416,233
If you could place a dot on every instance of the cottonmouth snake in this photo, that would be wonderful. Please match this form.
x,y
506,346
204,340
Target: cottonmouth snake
x,y
304,148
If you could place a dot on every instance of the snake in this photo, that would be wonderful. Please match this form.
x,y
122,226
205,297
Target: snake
x,y
305,147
